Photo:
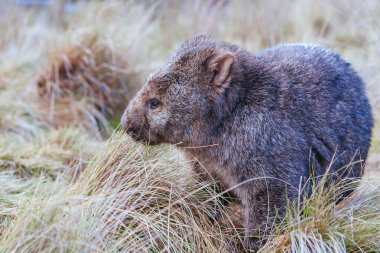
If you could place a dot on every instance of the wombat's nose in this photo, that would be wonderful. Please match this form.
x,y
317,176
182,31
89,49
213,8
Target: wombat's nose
x,y
127,118
130,124
123,122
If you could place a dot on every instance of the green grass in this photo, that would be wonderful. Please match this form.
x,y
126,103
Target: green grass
x,y
69,184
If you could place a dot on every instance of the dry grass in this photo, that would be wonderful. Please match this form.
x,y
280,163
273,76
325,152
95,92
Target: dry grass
x,y
67,70
55,152
86,83
129,197
322,225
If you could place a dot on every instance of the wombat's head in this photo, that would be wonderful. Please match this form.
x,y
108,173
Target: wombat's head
x,y
183,100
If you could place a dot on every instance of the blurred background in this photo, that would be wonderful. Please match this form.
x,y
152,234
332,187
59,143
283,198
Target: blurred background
x,y
77,63
65,63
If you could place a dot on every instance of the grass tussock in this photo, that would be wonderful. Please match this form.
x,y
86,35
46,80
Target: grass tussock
x,y
68,69
129,197
322,225
85,83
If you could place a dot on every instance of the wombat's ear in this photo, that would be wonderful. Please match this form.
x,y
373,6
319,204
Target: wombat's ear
x,y
219,65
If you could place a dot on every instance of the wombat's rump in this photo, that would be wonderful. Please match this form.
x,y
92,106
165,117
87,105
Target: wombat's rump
x,y
261,124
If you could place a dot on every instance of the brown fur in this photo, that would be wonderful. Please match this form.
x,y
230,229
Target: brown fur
x,y
257,122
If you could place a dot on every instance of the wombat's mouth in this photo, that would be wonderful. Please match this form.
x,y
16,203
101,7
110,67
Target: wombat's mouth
x,y
145,137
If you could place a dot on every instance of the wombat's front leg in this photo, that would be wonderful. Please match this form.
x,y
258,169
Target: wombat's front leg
x,y
204,175
201,172
261,209
252,230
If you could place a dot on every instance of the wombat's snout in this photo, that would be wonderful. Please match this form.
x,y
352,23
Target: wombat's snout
x,y
131,124
123,122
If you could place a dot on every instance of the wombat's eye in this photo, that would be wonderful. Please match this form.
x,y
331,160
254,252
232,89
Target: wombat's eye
x,y
153,103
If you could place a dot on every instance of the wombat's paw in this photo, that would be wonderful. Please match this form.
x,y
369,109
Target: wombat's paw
x,y
251,244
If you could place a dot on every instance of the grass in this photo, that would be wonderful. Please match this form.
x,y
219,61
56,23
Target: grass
x,y
69,183
128,197
57,151
85,83
322,225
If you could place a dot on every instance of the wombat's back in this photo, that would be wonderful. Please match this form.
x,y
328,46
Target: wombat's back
x,y
324,98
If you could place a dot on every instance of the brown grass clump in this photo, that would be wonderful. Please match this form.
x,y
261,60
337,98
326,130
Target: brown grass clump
x,y
161,207
86,83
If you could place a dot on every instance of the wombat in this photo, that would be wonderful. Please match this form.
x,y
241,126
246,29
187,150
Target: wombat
x,y
261,124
